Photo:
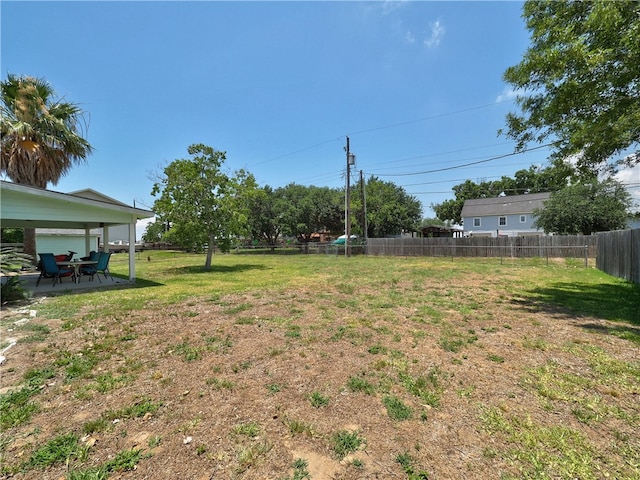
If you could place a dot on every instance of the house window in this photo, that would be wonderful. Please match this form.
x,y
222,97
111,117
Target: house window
x,y
523,218
476,222
502,221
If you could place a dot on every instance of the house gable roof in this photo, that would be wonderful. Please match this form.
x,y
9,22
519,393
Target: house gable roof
x,y
25,206
507,205
92,194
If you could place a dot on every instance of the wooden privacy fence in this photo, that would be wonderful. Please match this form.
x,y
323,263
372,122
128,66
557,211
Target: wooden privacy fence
x,y
618,254
573,246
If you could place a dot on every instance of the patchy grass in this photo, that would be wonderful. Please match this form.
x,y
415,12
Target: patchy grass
x,y
288,367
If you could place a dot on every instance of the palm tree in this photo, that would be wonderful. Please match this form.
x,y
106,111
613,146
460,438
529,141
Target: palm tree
x,y
39,137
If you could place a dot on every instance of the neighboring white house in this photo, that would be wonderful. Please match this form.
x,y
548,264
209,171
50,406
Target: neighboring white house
x,y
502,216
61,240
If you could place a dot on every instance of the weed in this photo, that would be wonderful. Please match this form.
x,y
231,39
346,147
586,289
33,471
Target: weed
x,y
107,382
237,309
249,456
495,358
318,400
466,392
154,441
250,429
489,329
298,427
406,461
396,409
217,344
345,442
293,331
220,384
427,388
359,384
95,473
38,333
246,365
274,388
125,460
76,365
137,410
300,471
98,425
536,343
16,407
376,349
454,341
186,351
62,449
246,321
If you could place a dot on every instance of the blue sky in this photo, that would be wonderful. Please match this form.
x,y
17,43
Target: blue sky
x,y
417,86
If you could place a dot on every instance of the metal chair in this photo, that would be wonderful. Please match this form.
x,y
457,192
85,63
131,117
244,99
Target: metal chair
x,y
102,266
50,269
90,270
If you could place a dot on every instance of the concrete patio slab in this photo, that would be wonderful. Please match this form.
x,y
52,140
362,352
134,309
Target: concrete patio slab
x,y
67,285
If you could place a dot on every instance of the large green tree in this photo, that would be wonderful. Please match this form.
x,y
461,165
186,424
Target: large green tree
x,y
265,215
154,231
579,81
306,210
585,208
40,135
202,203
390,209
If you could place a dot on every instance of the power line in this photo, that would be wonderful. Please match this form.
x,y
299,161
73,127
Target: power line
x,y
432,117
462,165
384,127
440,154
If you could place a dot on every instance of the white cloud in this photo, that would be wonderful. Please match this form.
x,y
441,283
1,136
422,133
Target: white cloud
x,y
437,32
389,6
409,37
507,94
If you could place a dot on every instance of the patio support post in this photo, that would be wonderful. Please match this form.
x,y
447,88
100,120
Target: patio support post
x,y
132,250
87,241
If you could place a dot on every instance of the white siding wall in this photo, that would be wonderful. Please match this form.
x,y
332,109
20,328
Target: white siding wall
x,y
58,244
490,225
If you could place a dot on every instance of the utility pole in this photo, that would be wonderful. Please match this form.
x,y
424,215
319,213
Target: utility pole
x,y
364,207
351,159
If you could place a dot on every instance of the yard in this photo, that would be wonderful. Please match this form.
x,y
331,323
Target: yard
x,y
325,367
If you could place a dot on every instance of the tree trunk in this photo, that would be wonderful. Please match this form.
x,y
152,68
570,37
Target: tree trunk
x,y
29,244
207,262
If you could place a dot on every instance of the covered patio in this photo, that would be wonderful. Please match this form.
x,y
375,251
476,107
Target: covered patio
x,y
24,206
67,285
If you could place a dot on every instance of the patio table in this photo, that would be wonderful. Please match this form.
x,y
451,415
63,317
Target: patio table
x,y
76,264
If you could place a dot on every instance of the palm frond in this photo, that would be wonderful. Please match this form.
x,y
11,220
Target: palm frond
x,y
13,260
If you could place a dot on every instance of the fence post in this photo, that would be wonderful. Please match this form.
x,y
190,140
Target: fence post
x,y
586,256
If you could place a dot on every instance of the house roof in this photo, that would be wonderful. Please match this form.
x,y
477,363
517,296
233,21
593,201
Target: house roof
x,y
508,205
32,207
92,194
